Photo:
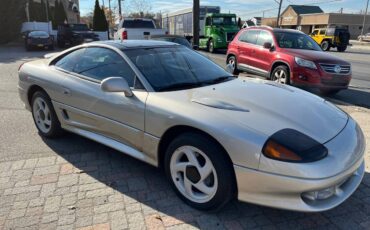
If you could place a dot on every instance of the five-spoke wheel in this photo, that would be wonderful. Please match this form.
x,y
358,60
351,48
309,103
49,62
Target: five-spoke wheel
x,y
44,115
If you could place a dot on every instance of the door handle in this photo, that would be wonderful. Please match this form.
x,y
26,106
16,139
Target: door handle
x,y
253,51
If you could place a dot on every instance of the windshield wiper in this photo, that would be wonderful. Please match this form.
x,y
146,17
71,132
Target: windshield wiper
x,y
179,86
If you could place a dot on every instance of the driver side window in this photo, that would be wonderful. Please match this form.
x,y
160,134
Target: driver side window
x,y
315,32
100,63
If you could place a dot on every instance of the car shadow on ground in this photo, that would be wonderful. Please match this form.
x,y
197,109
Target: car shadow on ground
x,y
147,185
13,53
354,95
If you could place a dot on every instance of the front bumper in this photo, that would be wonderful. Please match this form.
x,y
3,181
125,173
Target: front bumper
x,y
304,77
285,192
290,186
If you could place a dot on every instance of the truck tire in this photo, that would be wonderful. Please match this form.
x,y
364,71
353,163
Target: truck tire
x,y
325,45
211,46
341,48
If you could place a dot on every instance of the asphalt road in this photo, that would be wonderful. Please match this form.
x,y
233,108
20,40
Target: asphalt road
x,y
359,90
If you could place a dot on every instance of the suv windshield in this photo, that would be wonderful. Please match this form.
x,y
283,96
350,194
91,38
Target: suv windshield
x,y
176,68
79,27
225,21
138,23
296,41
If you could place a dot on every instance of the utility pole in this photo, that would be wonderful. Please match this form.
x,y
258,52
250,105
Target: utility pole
x,y
364,22
196,13
278,17
119,9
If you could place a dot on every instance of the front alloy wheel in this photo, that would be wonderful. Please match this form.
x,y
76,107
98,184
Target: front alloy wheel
x,y
193,174
200,171
281,75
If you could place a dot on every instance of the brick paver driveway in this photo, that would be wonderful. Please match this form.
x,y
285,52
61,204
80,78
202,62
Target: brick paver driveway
x,y
72,182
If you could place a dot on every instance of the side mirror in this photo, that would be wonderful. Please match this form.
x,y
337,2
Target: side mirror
x,y
267,45
116,84
195,47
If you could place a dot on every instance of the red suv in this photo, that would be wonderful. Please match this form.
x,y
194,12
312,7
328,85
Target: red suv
x,y
289,57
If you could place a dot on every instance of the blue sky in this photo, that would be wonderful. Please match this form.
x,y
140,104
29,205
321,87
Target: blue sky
x,y
243,8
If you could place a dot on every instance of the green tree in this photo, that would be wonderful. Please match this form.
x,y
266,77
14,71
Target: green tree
x,y
42,11
32,11
12,16
99,20
59,14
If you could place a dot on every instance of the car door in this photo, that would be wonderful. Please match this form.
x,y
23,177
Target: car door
x,y
263,57
245,46
85,107
315,34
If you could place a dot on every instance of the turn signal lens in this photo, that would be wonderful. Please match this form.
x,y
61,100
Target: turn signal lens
x,y
277,151
292,146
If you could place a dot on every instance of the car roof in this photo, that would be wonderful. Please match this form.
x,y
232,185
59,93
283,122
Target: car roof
x,y
275,29
167,36
132,44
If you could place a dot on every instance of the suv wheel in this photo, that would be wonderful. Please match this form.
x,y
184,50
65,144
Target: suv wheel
x,y
199,171
44,115
325,45
341,48
233,62
211,46
281,75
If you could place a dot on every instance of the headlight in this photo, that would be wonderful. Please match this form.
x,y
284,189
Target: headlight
x,y
305,63
292,146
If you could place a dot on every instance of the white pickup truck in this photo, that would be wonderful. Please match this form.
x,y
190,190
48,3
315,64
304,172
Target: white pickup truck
x,y
137,29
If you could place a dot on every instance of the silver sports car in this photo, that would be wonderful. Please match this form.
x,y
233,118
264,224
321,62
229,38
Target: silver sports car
x,y
216,136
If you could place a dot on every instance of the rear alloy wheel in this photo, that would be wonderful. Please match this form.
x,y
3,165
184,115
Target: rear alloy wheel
x,y
233,62
199,172
44,115
325,45
281,75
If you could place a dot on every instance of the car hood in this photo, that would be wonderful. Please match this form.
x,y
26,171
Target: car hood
x,y
268,107
316,56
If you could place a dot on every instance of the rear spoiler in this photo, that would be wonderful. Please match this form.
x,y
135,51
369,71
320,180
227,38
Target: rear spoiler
x,y
50,55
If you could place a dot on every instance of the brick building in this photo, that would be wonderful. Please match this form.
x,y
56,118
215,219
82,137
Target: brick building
x,y
307,18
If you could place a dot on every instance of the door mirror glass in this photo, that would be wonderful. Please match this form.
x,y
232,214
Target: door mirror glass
x,y
116,84
267,45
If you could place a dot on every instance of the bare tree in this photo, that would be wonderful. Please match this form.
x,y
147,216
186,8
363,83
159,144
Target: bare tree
x,y
140,6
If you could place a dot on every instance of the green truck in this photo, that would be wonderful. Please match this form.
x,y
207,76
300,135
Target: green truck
x,y
216,29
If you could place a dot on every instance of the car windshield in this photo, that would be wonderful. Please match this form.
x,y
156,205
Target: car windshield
x,y
38,34
176,68
296,41
138,23
225,21
79,27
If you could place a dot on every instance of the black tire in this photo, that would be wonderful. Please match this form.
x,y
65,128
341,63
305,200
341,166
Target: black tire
x,y
61,44
283,68
232,59
224,169
329,92
55,127
341,48
211,46
325,45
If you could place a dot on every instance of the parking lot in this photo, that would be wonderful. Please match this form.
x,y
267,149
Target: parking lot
x,y
72,182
